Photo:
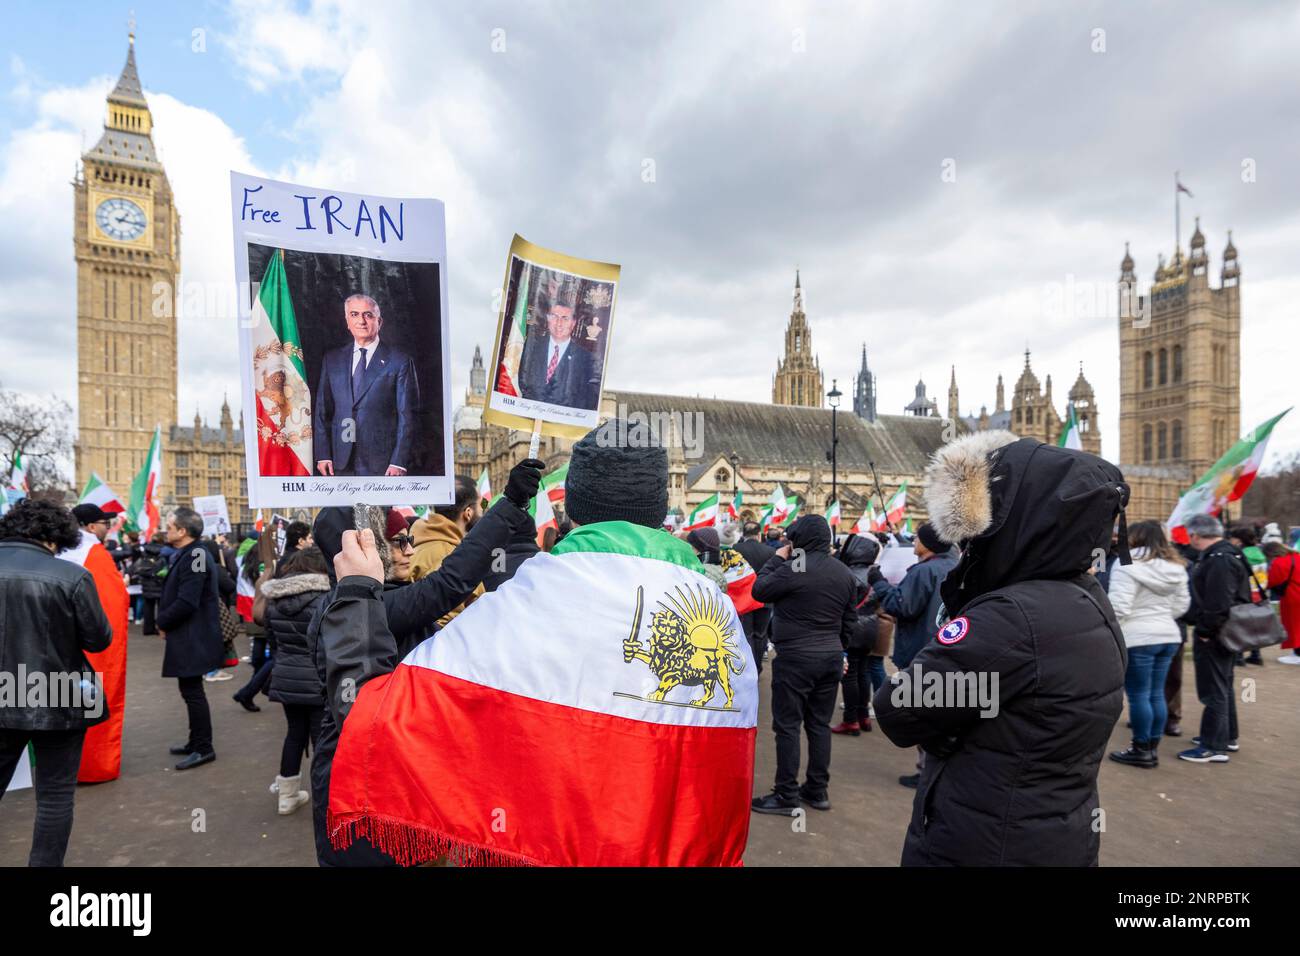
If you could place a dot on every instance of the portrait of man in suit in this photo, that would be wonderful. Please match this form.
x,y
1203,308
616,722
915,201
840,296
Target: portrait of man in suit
x,y
367,397
556,368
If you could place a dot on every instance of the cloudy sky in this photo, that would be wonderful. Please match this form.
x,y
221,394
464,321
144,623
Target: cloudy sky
x,y
955,181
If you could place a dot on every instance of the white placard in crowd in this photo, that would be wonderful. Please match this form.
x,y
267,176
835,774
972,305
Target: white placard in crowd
x,y
215,514
895,559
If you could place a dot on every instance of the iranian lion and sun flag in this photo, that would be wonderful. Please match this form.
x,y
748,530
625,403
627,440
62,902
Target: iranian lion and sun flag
x,y
622,735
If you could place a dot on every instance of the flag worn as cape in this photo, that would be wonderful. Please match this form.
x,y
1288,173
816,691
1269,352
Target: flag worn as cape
x,y
620,733
101,752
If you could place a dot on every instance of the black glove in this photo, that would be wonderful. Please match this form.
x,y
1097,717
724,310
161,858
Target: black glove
x,y
525,477
874,574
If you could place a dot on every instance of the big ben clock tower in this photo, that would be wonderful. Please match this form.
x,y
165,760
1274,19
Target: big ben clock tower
x,y
127,243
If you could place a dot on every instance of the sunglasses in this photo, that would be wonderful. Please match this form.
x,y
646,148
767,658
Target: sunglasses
x,y
403,541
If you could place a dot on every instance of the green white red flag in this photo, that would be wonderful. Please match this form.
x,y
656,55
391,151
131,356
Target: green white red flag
x,y
513,352
543,515
740,580
1070,435
778,502
867,522
1227,479
98,493
833,514
484,487
705,514
142,510
791,511
553,483
733,508
284,442
18,474
895,508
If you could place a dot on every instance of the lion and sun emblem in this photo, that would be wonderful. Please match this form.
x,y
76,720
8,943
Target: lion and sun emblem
x,y
691,645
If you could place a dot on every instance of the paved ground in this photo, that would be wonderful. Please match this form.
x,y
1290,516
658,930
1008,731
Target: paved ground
x,y
1242,813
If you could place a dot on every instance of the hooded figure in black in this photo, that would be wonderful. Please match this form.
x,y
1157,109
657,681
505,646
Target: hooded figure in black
x,y
813,598
1016,696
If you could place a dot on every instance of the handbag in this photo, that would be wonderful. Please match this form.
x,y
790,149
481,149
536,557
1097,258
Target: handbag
x,y
884,636
229,627
1250,626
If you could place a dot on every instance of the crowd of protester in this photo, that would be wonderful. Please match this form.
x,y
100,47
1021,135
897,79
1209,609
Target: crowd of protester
x,y
1003,578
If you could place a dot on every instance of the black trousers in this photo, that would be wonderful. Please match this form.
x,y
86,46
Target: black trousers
x,y
196,703
303,728
757,625
803,694
150,612
1214,690
58,756
1174,686
857,687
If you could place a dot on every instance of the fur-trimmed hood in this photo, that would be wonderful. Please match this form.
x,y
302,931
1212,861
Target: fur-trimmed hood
x,y
1021,510
295,584
957,492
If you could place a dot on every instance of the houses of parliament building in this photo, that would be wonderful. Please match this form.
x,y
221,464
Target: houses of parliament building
x,y
1179,395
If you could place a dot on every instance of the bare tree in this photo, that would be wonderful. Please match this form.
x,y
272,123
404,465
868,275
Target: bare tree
x,y
40,430
1275,496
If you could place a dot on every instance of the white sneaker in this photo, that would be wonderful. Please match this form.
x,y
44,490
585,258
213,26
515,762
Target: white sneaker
x,y
1292,658
217,676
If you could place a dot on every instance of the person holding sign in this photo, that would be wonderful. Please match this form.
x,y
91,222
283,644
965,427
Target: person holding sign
x,y
365,408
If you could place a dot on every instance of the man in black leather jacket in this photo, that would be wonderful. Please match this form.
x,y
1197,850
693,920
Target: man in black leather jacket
x,y
52,615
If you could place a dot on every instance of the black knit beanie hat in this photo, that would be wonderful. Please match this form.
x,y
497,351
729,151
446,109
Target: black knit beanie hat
x,y
617,473
930,538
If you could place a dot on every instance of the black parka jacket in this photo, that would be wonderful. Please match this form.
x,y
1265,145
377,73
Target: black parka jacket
x,y
290,606
813,595
1033,647
50,616
1220,578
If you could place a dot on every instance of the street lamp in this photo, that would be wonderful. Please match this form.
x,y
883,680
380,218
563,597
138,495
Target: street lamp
x,y
834,395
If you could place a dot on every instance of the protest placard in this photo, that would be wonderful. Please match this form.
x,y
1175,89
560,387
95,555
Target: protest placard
x,y
344,346
552,342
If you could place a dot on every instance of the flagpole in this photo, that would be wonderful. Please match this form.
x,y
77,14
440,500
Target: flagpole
x,y
1177,214
881,495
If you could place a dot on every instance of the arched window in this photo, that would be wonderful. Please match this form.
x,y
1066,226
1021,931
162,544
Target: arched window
x,y
1164,367
1162,442
1146,442
722,478
1148,369
1176,441
1178,366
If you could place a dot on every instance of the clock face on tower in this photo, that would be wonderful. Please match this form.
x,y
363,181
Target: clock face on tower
x,y
120,219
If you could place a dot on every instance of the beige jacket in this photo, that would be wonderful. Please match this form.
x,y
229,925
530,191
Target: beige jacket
x,y
435,538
